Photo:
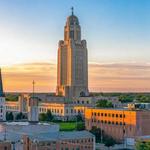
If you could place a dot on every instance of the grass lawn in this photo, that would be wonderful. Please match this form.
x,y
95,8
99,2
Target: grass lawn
x,y
67,126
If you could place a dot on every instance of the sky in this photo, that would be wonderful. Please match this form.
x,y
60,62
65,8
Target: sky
x,y
117,34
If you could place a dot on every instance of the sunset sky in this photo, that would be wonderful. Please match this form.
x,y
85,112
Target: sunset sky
x,y
117,34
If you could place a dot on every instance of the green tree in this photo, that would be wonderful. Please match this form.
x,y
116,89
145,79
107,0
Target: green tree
x,y
80,126
143,98
42,117
109,141
97,132
46,116
104,104
12,97
20,116
125,98
143,145
9,116
49,116
79,117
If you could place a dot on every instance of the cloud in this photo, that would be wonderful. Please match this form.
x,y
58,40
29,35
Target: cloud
x,y
102,77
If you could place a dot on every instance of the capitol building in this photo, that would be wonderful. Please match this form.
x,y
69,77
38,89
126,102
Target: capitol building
x,y
72,94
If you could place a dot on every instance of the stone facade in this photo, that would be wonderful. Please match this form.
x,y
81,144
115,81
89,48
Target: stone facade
x,y
72,73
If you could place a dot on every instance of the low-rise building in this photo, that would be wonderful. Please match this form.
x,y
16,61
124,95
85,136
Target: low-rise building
x,y
5,145
77,140
42,136
119,123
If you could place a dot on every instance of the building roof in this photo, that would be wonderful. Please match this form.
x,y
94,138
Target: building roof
x,y
1,85
40,132
72,19
61,136
15,130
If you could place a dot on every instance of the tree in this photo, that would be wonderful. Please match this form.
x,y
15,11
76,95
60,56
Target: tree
x,y
12,97
79,117
42,117
142,145
109,141
125,98
80,126
104,104
20,116
49,116
143,98
46,116
9,116
97,132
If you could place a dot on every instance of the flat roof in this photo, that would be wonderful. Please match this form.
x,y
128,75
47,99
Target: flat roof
x,y
61,136
117,109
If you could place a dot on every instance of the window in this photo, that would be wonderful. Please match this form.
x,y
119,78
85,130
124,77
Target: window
x,y
72,34
67,111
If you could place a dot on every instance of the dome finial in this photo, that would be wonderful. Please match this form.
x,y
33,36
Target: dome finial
x,y
72,11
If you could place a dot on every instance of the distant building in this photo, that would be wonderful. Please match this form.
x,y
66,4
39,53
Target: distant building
x,y
134,106
2,101
75,140
72,73
119,123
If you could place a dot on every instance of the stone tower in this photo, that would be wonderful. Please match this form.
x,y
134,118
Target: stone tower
x,y
2,101
72,69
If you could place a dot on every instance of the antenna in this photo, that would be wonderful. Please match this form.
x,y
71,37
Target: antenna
x,y
33,83
72,9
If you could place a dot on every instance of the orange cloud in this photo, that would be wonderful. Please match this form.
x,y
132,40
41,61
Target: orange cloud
x,y
102,77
